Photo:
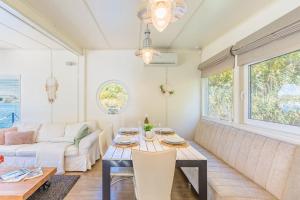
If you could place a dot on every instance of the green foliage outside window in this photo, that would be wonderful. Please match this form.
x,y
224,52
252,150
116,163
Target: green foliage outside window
x,y
275,90
112,97
220,94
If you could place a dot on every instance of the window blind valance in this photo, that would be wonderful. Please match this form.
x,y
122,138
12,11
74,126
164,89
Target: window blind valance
x,y
218,63
279,37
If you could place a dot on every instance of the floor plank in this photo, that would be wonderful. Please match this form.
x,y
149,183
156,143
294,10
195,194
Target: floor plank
x,y
89,187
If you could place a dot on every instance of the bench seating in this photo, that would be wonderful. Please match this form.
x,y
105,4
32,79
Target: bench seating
x,y
246,166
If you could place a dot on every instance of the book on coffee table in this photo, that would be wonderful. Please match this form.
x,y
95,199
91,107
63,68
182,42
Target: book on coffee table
x,y
14,176
20,174
34,173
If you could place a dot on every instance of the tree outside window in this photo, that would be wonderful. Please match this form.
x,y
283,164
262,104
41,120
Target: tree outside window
x,y
112,97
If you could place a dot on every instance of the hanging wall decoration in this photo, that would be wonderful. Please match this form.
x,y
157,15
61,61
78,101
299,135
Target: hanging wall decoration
x,y
51,83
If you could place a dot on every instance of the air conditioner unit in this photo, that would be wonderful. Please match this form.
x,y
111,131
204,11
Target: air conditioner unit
x,y
164,60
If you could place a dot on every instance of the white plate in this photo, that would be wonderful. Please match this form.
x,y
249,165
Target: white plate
x,y
128,130
125,140
163,130
174,140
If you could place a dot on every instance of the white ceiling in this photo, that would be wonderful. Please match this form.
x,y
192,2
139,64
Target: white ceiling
x,y
101,24
15,34
113,24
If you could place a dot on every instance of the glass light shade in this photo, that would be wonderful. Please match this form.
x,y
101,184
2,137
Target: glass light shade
x,y
147,55
161,13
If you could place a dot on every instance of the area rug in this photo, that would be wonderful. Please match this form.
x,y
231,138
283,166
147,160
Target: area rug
x,y
60,187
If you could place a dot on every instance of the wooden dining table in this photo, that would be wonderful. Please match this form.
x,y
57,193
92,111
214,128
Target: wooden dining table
x,y
187,156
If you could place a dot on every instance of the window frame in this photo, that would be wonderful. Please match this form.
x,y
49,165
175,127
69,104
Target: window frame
x,y
101,106
246,115
205,100
19,77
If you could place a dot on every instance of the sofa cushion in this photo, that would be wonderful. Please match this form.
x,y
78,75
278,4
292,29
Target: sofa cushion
x,y
225,183
2,133
31,150
16,138
93,126
28,150
2,138
48,132
73,130
10,150
83,132
28,126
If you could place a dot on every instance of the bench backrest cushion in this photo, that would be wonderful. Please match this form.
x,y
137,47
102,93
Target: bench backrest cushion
x,y
266,161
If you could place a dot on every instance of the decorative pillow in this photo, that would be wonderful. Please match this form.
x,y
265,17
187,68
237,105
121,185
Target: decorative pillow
x,y
72,131
15,138
2,134
48,132
83,132
28,126
2,141
92,125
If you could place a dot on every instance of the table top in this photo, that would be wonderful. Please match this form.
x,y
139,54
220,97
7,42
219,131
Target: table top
x,y
120,153
25,188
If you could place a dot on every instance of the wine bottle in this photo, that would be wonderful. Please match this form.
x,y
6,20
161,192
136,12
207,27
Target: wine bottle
x,y
146,121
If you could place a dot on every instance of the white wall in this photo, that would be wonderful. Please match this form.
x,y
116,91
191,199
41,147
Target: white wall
x,y
34,69
182,108
254,23
143,86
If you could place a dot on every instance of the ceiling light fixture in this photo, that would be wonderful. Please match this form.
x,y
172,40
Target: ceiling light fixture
x,y
147,52
161,13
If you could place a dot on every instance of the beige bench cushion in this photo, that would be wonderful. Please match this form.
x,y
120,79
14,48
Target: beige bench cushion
x,y
224,182
264,160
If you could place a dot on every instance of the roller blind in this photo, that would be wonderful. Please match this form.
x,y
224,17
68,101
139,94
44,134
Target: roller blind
x,y
218,63
281,36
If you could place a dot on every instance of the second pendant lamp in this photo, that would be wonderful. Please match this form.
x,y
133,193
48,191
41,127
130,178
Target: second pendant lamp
x,y
147,52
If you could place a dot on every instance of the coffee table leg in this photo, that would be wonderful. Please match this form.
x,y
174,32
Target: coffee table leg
x,y
105,180
202,180
46,185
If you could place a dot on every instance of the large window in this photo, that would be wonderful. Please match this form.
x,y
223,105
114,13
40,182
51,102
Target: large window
x,y
274,90
217,93
9,100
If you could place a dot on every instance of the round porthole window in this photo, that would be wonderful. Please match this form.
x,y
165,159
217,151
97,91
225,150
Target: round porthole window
x,y
112,97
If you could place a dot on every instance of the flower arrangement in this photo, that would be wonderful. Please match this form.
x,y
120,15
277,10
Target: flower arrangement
x,y
148,127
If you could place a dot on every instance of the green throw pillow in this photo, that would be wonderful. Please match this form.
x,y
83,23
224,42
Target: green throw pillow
x,y
84,131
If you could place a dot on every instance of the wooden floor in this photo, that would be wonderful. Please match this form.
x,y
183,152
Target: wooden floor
x,y
89,187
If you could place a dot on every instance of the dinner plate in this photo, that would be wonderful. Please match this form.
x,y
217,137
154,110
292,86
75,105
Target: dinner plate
x,y
124,140
128,131
164,130
174,140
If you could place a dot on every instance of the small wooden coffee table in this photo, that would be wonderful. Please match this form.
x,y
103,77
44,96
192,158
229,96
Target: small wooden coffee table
x,y
23,189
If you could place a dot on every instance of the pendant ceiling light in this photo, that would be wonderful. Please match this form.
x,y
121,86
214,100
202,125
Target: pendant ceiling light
x,y
161,13
147,52
51,83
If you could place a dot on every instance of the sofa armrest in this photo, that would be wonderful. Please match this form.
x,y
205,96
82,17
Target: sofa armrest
x,y
86,142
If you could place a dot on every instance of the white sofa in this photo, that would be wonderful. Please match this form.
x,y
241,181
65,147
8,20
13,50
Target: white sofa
x,y
246,166
79,158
